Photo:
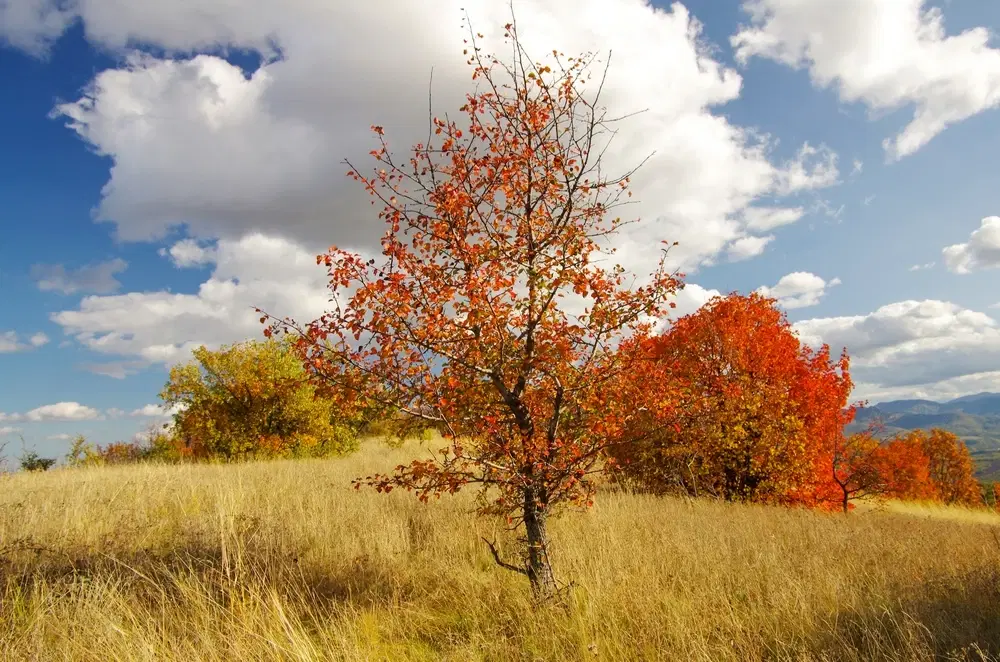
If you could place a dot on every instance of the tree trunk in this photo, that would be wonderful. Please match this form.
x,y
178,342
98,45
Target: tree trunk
x,y
543,582
847,499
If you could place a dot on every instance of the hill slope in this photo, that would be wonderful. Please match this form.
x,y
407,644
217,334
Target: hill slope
x,y
284,561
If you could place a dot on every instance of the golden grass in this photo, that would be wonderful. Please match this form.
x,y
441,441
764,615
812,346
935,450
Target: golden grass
x,y
929,510
285,561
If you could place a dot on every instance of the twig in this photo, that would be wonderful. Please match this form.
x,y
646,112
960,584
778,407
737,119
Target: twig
x,y
500,562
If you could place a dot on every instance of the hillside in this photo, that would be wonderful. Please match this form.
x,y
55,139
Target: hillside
x,y
974,418
284,561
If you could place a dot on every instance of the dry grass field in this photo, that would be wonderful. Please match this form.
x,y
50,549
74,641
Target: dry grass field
x,y
286,561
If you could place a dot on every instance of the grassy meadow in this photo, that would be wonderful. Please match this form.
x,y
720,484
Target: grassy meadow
x,y
286,561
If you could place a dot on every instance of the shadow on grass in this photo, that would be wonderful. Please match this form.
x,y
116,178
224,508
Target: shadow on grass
x,y
957,618
221,571
954,620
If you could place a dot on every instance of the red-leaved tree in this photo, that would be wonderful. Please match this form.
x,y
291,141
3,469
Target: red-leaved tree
x,y
757,413
952,472
910,466
859,469
488,314
905,468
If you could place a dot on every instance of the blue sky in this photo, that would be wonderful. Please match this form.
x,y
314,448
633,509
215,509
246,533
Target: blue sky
x,y
163,168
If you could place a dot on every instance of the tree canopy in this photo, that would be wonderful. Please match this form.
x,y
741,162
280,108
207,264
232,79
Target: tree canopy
x,y
756,412
489,313
252,399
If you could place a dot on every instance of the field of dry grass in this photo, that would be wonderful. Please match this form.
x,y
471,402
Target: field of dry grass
x,y
285,561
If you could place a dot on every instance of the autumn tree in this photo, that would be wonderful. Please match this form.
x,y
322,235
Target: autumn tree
x,y
905,468
494,309
249,400
991,495
952,472
911,466
758,412
859,469
31,461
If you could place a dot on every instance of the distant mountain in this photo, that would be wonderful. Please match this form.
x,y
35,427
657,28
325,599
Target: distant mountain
x,y
974,418
909,407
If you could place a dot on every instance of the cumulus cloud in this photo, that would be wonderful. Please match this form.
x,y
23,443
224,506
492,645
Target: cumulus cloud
x,y
263,152
946,389
60,411
98,278
690,299
114,369
813,168
162,327
747,247
912,344
921,267
982,251
189,253
798,289
10,342
155,411
763,219
887,54
235,159
32,25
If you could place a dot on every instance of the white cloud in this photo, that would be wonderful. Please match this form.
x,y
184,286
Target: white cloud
x,y
189,253
946,389
690,299
162,328
921,267
156,411
982,251
148,410
6,430
747,247
10,342
824,207
114,369
798,289
250,165
32,25
98,278
912,344
868,199
763,219
264,152
887,54
60,411
812,168
59,437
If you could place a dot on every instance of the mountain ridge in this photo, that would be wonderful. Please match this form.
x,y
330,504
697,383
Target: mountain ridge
x,y
974,418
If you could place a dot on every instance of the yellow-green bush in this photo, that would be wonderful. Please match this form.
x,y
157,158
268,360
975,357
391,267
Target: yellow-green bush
x,y
252,399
